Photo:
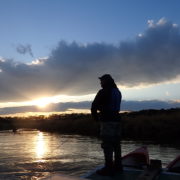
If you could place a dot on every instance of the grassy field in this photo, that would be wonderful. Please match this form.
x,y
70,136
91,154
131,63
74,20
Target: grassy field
x,y
152,125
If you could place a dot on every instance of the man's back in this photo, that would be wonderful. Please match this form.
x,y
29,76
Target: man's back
x,y
107,101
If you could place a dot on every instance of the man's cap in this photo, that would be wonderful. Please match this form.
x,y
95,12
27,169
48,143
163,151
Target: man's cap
x,y
106,77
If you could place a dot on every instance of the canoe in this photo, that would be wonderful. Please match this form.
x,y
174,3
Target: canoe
x,y
136,165
164,175
172,170
138,158
133,165
174,166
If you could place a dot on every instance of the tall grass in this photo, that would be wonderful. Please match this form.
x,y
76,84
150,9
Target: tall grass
x,y
154,125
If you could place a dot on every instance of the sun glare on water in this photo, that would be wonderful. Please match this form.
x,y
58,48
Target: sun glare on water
x,y
41,146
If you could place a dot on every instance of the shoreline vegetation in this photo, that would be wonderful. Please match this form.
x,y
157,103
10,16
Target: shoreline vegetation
x,y
158,126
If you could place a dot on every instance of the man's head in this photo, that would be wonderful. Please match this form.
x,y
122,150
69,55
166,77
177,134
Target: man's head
x,y
106,81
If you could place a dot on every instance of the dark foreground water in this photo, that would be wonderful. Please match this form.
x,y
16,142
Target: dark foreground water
x,y
34,154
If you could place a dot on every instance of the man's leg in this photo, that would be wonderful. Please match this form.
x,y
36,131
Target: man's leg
x,y
107,147
117,155
108,153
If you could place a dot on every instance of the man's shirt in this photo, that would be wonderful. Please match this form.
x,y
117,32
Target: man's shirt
x,y
107,102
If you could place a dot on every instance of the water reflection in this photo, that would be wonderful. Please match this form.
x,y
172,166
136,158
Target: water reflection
x,y
40,152
41,146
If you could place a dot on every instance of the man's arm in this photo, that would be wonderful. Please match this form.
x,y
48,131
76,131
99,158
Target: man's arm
x,y
94,112
95,106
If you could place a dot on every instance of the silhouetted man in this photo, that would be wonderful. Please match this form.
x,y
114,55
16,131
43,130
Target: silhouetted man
x,y
107,103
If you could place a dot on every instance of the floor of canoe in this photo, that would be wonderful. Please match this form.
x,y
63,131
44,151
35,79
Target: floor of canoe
x,y
126,175
131,174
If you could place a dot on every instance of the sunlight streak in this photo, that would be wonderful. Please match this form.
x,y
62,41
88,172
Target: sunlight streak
x,y
40,146
44,101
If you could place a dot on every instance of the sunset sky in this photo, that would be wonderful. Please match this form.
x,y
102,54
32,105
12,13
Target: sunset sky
x,y
53,51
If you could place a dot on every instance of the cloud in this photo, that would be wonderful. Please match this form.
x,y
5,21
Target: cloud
x,y
151,104
24,49
54,107
73,68
58,107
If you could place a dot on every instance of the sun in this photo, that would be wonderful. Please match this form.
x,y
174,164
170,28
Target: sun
x,y
42,103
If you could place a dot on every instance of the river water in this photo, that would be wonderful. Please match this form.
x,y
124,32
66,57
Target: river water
x,y
33,154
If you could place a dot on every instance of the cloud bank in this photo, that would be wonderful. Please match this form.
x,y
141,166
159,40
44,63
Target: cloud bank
x,y
58,107
72,68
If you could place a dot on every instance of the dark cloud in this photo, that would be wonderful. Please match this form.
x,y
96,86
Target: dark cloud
x,y
153,104
24,49
125,106
152,57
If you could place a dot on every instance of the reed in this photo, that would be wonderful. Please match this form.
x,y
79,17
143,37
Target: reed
x,y
152,125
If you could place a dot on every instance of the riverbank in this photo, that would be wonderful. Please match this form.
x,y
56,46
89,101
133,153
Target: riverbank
x,y
152,125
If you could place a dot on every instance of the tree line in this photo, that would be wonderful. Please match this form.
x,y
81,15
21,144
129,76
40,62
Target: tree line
x,y
152,125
